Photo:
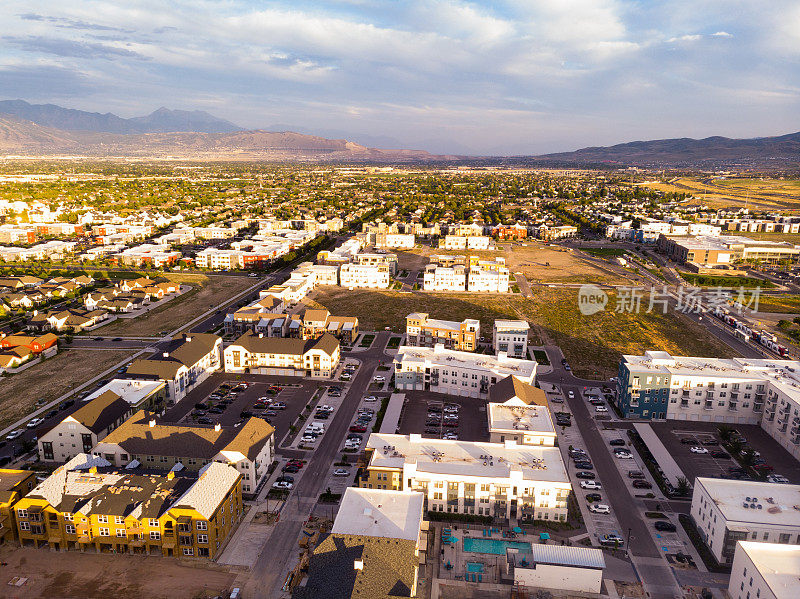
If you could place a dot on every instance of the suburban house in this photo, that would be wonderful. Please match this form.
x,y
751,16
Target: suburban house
x,y
315,358
422,331
67,320
165,445
81,430
87,502
184,364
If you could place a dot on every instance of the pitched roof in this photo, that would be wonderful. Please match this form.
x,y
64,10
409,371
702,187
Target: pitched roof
x,y
205,495
511,387
252,436
282,345
183,350
162,369
98,414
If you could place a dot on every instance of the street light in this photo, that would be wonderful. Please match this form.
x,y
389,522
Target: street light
x,y
628,548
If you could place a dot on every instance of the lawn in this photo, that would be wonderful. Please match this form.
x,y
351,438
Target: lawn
x,y
592,344
206,293
52,378
728,282
541,357
783,304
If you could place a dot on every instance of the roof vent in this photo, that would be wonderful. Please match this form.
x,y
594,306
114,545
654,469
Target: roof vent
x,y
358,564
152,423
217,427
165,354
188,338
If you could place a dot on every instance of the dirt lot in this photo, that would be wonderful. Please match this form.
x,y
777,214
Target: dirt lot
x,y
755,193
207,292
592,344
52,378
537,261
91,575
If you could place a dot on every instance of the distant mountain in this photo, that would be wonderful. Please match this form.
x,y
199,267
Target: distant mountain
x,y
18,136
161,121
777,151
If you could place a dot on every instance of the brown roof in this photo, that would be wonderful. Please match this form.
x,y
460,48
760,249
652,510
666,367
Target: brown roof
x,y
183,351
251,437
98,414
316,315
511,387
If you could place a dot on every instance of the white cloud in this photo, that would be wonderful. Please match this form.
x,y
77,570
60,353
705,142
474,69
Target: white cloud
x,y
722,34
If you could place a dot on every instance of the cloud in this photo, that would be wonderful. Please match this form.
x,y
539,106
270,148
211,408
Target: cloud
x,y
685,38
68,48
43,82
66,23
722,34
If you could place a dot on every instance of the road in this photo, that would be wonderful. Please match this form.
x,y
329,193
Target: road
x,y
653,570
274,561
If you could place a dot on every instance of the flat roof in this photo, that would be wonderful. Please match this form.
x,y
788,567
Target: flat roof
x,y
779,566
380,513
503,366
520,418
559,555
131,390
391,418
468,458
512,325
780,504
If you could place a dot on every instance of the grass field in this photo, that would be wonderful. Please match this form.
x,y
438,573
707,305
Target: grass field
x,y
790,237
783,304
206,292
592,344
730,282
755,193
52,378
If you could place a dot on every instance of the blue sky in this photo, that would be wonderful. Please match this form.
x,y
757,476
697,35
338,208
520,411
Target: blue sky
x,y
502,77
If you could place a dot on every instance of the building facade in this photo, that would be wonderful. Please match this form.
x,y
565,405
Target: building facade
x,y
511,336
422,331
315,358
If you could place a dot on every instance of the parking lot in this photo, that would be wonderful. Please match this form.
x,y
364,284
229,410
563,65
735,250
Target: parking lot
x,y
425,413
694,465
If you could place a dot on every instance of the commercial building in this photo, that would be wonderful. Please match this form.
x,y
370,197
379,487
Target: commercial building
x,y
14,485
156,444
456,372
89,503
315,358
444,278
518,412
374,549
726,511
422,331
185,363
503,480
78,432
511,336
765,571
724,250
362,275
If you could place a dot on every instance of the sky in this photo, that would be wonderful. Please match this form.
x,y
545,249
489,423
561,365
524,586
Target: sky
x,y
494,77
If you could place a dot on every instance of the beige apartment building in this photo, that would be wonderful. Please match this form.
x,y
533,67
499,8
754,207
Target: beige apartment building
x,y
315,358
422,331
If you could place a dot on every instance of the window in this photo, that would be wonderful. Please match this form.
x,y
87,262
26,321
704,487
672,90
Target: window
x,y
102,519
121,532
155,535
118,520
188,551
104,532
202,525
153,523
70,529
24,525
203,539
203,552
22,513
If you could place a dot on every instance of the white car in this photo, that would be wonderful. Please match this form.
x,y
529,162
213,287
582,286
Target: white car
x,y
777,478
571,394
14,434
623,455
698,450
341,472
600,409
379,379
35,422
282,485
599,508
370,398
591,484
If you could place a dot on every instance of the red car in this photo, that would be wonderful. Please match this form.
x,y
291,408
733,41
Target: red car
x,y
298,463
763,467
358,429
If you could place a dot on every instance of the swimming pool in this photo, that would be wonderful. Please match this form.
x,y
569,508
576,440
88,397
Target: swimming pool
x,y
494,546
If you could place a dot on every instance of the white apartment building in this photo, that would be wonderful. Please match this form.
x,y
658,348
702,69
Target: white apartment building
x,y
472,242
511,336
503,480
726,511
370,258
456,372
400,241
736,391
765,571
257,354
219,259
488,277
362,275
214,232
148,253
441,278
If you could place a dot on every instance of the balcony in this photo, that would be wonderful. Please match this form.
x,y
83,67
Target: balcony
x,y
732,406
684,403
709,405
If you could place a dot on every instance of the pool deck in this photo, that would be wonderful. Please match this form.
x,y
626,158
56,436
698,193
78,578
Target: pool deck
x,y
494,565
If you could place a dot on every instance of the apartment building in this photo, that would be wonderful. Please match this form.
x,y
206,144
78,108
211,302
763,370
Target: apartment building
x,y
510,232
218,259
366,276
374,259
511,336
315,358
89,503
316,323
423,331
551,233
456,372
323,274
504,480
472,242
295,288
726,511
156,444
140,394
519,412
182,365
248,317
14,485
442,278
343,254
377,543
81,430
398,241
488,277
448,260
158,256
765,571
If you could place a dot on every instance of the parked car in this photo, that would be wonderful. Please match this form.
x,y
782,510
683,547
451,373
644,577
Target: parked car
x,y
14,434
777,478
665,526
710,442
245,414
51,413
370,398
379,379
205,420
358,429
599,508
585,474
695,449
583,465
642,484
593,497
720,455
282,485
612,540
591,484
341,472
571,394
600,409
617,443
687,441
216,411
635,474
623,455
34,422
289,468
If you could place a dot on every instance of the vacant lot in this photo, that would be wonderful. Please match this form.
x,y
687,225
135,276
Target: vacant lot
x,y
783,304
52,378
206,293
91,575
538,262
754,193
593,344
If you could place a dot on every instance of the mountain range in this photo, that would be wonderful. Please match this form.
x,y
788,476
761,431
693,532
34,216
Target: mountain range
x,y
48,129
